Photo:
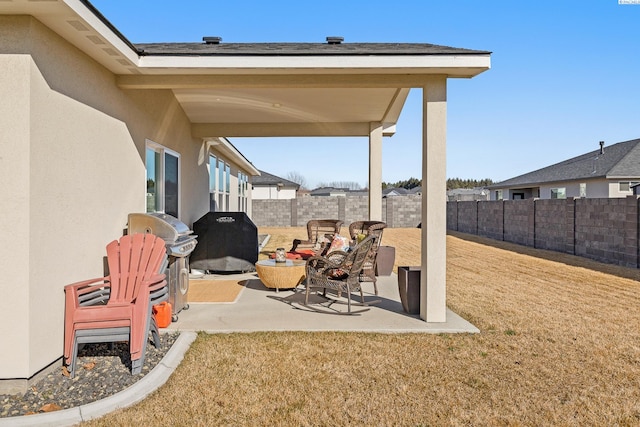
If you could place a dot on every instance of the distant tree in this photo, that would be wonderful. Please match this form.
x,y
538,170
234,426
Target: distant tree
x,y
408,184
298,179
452,183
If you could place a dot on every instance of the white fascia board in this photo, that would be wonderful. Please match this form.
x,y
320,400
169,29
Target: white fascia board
x,y
341,64
225,147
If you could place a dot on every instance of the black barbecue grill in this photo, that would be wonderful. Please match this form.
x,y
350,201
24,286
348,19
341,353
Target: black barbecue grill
x,y
227,241
180,243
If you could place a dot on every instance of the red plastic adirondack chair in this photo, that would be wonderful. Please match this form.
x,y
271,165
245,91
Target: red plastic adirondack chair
x,y
133,279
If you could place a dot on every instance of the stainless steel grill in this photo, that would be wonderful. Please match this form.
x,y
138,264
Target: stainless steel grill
x,y
180,242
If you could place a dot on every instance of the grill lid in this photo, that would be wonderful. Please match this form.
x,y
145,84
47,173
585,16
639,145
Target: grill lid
x,y
167,227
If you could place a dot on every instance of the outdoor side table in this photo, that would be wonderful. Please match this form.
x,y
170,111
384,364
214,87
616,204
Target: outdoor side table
x,y
280,275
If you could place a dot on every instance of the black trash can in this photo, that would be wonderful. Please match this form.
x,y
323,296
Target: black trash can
x,y
227,242
409,287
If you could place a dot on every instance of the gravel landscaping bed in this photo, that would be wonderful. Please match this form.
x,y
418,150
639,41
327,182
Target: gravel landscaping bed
x,y
101,371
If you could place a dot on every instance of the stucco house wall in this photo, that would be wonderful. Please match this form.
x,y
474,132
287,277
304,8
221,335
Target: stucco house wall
x,y
272,192
595,189
600,189
72,160
614,188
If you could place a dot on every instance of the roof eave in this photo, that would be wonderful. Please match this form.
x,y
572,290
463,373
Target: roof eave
x,y
224,146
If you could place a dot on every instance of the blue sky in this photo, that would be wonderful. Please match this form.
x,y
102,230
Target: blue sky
x,y
564,75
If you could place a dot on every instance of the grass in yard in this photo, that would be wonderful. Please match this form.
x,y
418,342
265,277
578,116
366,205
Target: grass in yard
x,y
559,345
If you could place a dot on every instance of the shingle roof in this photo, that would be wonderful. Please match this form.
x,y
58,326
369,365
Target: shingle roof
x,y
266,178
621,160
296,49
396,190
325,191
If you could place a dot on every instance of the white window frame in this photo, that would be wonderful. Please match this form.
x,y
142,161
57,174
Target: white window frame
x,y
213,176
243,185
160,183
628,186
221,171
559,193
583,189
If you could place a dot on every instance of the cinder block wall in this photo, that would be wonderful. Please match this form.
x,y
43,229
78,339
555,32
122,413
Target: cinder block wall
x,y
519,221
605,230
276,213
467,221
490,218
314,208
355,206
401,211
552,228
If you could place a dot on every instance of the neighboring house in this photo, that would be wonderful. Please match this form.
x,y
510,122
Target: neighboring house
x,y
392,192
268,186
467,194
360,192
329,191
607,172
95,127
416,191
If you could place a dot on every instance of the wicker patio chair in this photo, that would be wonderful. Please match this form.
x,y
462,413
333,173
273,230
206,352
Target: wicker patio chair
x,y
320,233
368,228
338,271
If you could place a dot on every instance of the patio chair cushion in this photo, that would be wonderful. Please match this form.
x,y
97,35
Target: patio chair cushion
x,y
339,243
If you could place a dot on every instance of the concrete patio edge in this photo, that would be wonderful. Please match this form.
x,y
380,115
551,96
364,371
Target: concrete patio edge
x,y
127,397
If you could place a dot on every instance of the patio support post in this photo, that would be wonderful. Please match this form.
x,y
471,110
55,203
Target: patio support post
x,y
375,171
433,301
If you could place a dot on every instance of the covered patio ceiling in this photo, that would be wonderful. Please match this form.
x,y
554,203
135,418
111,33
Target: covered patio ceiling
x,y
295,89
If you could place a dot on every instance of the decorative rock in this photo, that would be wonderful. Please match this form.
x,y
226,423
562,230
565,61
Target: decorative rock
x,y
110,375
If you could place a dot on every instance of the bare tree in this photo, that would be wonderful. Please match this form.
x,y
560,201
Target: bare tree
x,y
298,179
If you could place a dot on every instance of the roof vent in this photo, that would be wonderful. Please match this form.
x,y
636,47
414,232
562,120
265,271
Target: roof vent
x,y
335,39
601,147
212,40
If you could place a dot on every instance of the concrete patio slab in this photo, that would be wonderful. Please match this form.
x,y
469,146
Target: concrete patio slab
x,y
261,309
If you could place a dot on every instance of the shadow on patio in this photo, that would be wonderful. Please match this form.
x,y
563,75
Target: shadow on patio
x,y
261,309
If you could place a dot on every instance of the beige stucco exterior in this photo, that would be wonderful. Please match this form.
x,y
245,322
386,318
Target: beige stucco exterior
x,y
272,192
433,289
73,165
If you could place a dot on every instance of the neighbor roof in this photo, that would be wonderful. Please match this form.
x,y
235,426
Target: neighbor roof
x,y
267,179
621,160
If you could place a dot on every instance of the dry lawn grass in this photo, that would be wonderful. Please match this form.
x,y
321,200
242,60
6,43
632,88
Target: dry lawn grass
x,y
559,345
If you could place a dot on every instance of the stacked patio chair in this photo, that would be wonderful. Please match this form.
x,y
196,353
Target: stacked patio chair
x,y
359,230
118,307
